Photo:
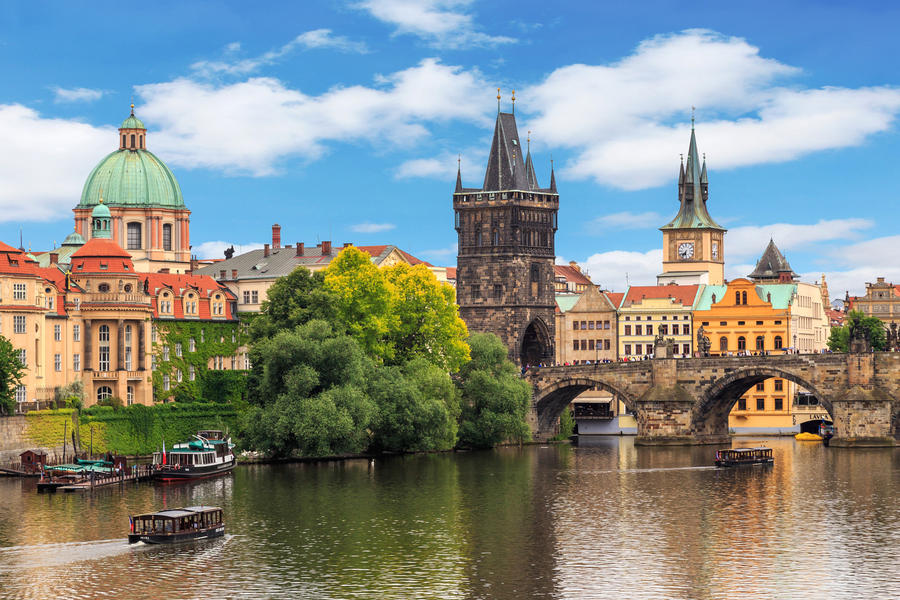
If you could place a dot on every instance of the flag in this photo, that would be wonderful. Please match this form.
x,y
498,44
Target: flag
x,y
164,450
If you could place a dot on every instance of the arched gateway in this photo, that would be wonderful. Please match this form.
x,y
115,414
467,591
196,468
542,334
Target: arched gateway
x,y
687,401
536,345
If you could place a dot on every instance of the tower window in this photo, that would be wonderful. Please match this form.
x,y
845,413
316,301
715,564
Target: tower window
x,y
134,236
123,140
141,141
167,236
132,141
498,292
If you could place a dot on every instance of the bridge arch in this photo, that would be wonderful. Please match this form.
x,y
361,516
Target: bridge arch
x,y
710,416
550,401
535,343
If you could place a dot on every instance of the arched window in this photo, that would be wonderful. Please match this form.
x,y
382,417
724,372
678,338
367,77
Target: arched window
x,y
723,343
743,297
132,141
737,297
167,236
103,392
742,343
103,349
141,141
134,236
778,343
495,237
760,343
478,238
128,358
123,140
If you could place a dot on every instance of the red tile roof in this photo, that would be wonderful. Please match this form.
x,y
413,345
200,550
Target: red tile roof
x,y
615,298
572,274
683,294
203,285
375,251
97,252
451,273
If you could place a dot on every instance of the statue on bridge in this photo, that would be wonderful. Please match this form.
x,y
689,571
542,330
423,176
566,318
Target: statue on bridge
x,y
860,338
893,338
703,343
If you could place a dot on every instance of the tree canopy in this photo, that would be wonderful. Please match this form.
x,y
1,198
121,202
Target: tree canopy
x,y
839,339
11,374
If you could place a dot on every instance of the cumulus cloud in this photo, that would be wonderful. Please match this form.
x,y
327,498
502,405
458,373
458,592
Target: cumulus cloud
x,y
268,121
749,242
76,94
31,143
315,39
625,220
626,123
442,23
442,165
616,269
216,249
372,227
447,255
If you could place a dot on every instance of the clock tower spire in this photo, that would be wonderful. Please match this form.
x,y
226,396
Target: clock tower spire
x,y
693,249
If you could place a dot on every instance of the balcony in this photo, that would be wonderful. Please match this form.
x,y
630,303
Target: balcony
x,y
115,298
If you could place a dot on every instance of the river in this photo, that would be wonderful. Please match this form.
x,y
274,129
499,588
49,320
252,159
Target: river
x,y
605,520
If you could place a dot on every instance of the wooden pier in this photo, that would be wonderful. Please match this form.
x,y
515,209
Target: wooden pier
x,y
64,483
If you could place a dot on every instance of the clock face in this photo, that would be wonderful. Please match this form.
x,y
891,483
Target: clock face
x,y
686,250
715,250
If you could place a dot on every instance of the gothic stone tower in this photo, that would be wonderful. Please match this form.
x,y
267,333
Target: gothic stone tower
x,y
504,280
693,250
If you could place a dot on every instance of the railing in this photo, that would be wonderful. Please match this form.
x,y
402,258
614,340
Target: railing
x,y
129,298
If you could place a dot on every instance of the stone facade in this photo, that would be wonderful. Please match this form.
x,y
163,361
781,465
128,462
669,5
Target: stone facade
x,y
506,229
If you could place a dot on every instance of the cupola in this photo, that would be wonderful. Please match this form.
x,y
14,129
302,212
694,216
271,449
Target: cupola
x,y
101,221
132,133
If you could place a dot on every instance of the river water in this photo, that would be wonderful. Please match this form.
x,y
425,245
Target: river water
x,y
606,520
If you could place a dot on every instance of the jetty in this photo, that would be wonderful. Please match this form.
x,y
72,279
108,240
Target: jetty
x,y
81,478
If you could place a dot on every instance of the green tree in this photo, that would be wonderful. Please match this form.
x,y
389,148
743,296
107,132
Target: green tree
x,y
495,400
11,374
418,407
839,339
292,300
309,393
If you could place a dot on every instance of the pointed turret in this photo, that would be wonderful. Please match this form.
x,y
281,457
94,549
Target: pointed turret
x,y
459,186
552,178
506,164
530,175
772,267
693,193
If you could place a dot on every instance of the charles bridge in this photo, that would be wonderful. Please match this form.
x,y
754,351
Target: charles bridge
x,y
687,400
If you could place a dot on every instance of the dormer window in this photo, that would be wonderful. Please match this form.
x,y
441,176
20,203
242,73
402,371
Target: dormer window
x,y
104,266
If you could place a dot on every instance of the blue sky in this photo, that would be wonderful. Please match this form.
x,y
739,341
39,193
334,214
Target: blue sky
x,y
344,120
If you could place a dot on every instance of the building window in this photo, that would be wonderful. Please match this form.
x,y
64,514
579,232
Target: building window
x,y
246,297
76,333
178,375
742,343
474,292
246,361
104,392
627,348
18,291
605,324
637,348
743,297
760,404
584,345
498,292
638,330
57,362
128,360
779,385
778,343
134,236
737,297
779,404
178,349
649,329
575,325
18,323
574,344
254,297
76,362
606,344
103,348
664,329
723,344
761,386
21,394
202,335
760,342
167,236
233,362
166,383
192,373
742,404
57,333
129,395
590,344
686,329
192,345
686,349
165,353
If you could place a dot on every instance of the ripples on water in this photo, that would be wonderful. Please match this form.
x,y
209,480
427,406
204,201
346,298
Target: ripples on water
x,y
609,520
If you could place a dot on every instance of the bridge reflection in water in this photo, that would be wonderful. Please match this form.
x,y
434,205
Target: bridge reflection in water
x,y
687,401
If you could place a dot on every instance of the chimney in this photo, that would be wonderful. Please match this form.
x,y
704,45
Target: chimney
x,y
347,244
574,265
234,274
299,249
276,236
265,250
326,248
54,258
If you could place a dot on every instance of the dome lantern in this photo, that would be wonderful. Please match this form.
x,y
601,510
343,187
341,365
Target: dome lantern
x,y
132,133
101,221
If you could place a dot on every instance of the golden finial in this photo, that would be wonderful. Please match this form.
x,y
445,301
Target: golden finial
x,y
132,109
498,99
101,195
693,108
514,101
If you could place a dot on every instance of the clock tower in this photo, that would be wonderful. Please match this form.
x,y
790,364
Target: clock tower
x,y
693,250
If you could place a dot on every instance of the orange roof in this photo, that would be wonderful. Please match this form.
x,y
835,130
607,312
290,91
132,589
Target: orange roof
x,y
683,294
203,285
101,255
375,251
615,298
451,273
572,274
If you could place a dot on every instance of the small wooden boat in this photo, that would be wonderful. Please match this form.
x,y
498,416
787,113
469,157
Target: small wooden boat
x,y
177,525
735,457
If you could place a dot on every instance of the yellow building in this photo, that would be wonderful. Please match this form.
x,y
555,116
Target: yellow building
x,y
652,310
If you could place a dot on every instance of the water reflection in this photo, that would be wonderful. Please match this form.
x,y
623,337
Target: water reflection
x,y
603,520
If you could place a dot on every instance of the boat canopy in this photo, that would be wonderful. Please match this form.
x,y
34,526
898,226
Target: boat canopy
x,y
177,513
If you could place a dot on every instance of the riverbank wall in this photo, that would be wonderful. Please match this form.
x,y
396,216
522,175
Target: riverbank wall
x,y
133,430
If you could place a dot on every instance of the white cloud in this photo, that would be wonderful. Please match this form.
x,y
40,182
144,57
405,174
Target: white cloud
x,y
442,23
862,262
31,146
625,220
447,254
315,39
372,227
441,166
216,249
268,121
620,121
76,94
750,241
617,269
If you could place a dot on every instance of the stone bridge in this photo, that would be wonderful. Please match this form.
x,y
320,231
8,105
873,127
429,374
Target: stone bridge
x,y
687,401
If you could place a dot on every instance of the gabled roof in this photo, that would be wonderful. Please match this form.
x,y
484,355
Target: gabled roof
x,y
682,294
451,273
571,274
180,284
15,261
771,264
615,298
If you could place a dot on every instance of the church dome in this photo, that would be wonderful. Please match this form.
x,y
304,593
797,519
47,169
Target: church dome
x,y
132,175
73,239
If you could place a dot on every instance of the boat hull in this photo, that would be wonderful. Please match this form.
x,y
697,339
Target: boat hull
x,y
193,472
177,538
742,463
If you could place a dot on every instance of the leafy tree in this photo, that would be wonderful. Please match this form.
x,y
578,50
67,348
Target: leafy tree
x,y
495,400
309,393
566,424
11,374
839,339
294,300
418,406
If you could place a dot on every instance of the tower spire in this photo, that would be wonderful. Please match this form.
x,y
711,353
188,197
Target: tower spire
x,y
458,173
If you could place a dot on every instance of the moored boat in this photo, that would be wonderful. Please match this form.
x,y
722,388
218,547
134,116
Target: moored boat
x,y
735,457
177,525
210,454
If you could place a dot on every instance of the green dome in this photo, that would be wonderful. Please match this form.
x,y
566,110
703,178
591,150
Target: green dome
x,y
132,122
132,178
101,211
74,239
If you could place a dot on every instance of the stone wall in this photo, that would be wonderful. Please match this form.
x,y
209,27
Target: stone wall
x,y
14,439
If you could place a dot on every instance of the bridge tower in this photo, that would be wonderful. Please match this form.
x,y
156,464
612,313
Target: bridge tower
x,y
506,229
693,250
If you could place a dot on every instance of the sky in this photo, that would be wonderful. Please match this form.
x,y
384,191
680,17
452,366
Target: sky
x,y
344,121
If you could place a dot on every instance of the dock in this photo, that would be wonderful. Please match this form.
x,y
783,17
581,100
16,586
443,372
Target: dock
x,y
67,484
